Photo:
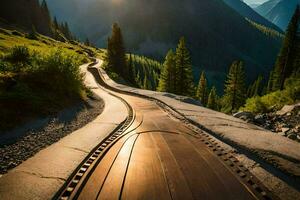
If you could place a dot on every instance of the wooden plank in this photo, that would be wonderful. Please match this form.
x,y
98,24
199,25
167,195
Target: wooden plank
x,y
232,184
201,177
113,183
145,177
97,178
176,180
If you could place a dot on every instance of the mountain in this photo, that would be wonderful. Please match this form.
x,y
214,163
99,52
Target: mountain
x,y
215,33
26,13
278,11
246,11
254,5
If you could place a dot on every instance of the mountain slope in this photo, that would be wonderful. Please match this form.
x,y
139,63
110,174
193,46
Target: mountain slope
x,y
278,11
249,13
26,13
151,27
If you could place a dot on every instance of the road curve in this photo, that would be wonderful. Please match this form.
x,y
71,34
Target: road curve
x,y
158,157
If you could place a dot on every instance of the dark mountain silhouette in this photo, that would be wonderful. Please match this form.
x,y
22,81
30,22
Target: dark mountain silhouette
x,y
27,13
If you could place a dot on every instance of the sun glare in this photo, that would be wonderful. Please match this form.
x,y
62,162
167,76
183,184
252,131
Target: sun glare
x,y
117,2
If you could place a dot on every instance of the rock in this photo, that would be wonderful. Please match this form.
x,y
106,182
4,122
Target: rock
x,y
247,116
284,130
288,109
292,136
12,165
260,119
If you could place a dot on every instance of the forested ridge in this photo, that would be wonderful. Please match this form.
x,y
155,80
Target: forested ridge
x,y
176,75
214,40
31,15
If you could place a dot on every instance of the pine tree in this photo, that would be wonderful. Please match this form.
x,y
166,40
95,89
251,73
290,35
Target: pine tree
x,y
270,82
202,90
44,20
167,77
116,58
87,42
46,12
284,66
234,93
33,34
55,23
131,70
184,75
147,85
66,31
212,99
256,88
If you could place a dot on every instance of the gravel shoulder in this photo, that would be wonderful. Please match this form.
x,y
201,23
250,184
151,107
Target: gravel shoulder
x,y
20,144
42,175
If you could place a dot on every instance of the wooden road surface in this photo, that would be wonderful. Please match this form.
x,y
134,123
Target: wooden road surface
x,y
160,158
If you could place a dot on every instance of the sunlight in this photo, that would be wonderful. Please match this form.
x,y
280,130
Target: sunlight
x,y
117,2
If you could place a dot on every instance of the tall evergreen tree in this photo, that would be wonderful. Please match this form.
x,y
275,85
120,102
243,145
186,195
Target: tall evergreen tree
x,y
131,70
256,88
45,10
234,93
167,79
44,20
184,75
270,82
212,99
147,84
66,31
116,58
55,23
284,66
87,42
202,89
32,34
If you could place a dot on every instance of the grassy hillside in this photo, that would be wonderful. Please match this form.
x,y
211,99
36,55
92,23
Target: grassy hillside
x,y
43,44
38,77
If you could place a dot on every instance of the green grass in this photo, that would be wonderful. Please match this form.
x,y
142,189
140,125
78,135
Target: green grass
x,y
39,77
43,44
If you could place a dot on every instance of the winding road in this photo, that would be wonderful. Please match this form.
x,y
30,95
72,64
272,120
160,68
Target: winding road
x,y
153,155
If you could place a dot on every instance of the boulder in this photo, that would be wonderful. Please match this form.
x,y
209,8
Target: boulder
x,y
247,116
260,119
285,130
288,109
292,136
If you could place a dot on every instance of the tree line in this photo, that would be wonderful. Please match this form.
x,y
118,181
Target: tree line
x,y
287,67
176,74
137,70
35,17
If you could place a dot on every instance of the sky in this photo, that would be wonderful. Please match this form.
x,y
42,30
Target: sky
x,y
255,1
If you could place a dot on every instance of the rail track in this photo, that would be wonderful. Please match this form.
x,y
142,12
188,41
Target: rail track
x,y
77,181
